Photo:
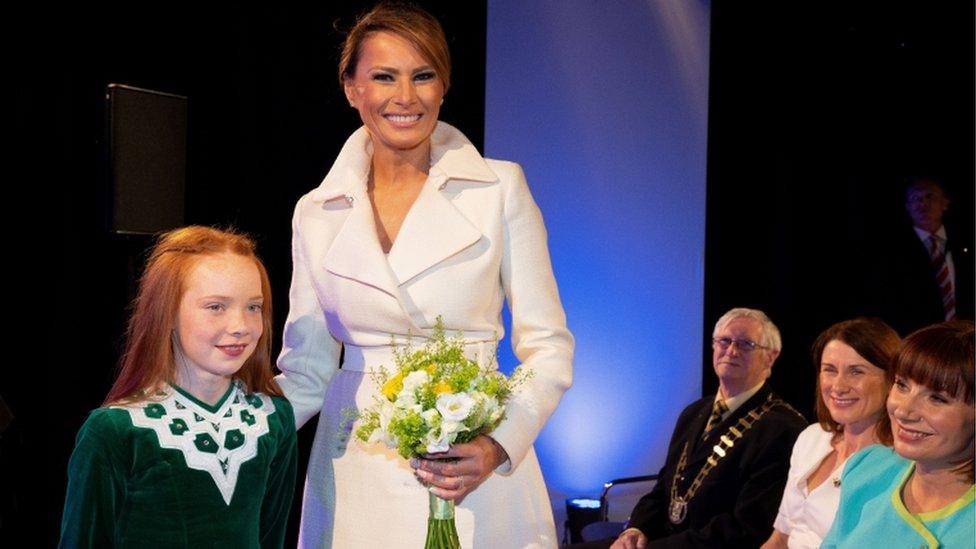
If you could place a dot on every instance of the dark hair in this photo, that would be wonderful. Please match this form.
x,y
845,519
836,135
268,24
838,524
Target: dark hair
x,y
918,182
941,357
407,21
149,360
877,343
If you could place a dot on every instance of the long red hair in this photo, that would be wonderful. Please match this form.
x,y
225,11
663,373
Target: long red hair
x,y
148,361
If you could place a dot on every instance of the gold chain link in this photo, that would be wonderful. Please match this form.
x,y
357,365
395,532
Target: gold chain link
x,y
720,450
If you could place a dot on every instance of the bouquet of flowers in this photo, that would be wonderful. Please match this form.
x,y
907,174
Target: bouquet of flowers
x,y
436,397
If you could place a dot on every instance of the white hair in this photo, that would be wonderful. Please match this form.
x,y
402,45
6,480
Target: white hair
x,y
770,333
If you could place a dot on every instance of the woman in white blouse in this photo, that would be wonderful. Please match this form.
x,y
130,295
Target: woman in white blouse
x,y
851,358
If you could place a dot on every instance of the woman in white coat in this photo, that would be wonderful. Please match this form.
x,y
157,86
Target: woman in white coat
x,y
411,223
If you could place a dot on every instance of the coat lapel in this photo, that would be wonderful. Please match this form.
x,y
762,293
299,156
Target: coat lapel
x,y
356,254
434,229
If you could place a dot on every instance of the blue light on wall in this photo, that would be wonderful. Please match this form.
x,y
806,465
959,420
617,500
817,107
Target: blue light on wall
x,y
604,104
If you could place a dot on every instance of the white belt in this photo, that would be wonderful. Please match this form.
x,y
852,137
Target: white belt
x,y
366,359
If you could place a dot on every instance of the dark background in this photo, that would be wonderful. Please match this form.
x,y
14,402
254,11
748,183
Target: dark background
x,y
266,118
818,111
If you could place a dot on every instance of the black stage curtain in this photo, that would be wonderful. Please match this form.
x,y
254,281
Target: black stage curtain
x,y
818,113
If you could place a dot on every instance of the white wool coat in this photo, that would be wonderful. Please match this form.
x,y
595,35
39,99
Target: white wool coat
x,y
473,239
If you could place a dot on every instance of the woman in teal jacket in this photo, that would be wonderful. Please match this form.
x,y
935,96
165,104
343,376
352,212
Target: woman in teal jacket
x,y
920,493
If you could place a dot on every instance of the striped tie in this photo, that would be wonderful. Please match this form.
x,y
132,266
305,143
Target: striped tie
x,y
941,269
718,409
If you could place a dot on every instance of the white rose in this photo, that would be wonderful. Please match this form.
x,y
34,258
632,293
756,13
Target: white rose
x,y
431,417
449,428
415,379
454,406
406,397
436,445
405,400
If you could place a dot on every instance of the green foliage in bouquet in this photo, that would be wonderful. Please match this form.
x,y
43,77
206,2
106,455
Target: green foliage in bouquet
x,y
436,397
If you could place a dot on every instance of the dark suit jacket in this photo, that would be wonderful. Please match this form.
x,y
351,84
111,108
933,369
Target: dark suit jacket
x,y
909,297
737,503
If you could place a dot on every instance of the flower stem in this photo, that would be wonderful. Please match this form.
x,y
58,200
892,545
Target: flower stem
x,y
441,532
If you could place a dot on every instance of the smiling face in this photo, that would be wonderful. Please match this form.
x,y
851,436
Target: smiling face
x,y
397,92
852,388
739,369
932,427
219,321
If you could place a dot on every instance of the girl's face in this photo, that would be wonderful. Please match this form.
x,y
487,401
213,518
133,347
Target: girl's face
x,y
219,322
396,91
932,427
852,388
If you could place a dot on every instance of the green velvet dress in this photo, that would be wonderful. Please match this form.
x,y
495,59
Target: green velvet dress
x,y
172,471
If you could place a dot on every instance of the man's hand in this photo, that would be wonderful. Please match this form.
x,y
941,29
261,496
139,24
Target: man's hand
x,y
631,538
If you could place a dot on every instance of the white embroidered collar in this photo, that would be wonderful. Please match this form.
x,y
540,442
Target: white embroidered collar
x,y
215,439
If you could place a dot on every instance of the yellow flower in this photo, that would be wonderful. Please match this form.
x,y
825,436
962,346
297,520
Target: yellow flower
x,y
442,387
393,386
431,368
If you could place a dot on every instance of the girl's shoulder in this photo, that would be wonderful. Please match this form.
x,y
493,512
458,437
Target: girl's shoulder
x,y
105,430
107,419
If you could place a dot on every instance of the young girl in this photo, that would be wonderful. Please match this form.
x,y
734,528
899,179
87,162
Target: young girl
x,y
194,444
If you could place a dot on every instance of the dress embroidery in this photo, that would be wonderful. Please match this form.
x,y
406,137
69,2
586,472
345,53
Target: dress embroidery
x,y
215,442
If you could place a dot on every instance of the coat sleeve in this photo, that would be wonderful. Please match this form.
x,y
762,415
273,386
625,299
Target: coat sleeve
x,y
281,479
309,354
96,484
540,338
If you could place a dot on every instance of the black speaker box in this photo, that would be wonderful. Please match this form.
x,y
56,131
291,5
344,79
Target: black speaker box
x,y
146,159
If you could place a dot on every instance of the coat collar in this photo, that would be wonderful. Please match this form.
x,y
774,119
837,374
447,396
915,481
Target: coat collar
x,y
434,228
452,156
